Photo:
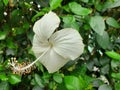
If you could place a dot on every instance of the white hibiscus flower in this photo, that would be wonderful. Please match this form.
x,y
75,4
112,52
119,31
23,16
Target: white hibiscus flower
x,y
58,47
54,48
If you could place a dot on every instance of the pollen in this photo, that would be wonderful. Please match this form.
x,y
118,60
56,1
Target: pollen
x,y
15,66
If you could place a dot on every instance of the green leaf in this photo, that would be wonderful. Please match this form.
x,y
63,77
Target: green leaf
x,y
111,4
97,24
10,43
4,86
1,67
85,1
55,4
117,86
86,27
105,87
14,79
113,55
116,75
26,26
39,66
98,5
78,9
72,83
37,88
114,63
105,69
104,61
27,5
68,19
83,83
97,82
57,77
46,77
80,70
2,35
5,2
19,30
33,82
37,15
52,85
70,22
66,8
3,77
15,12
103,40
39,80
112,22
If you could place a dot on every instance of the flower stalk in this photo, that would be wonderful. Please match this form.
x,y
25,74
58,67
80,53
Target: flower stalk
x,y
22,69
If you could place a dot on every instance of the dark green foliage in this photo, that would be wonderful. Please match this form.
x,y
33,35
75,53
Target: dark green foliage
x,y
98,22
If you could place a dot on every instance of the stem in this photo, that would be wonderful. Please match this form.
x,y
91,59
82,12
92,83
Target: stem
x,y
24,68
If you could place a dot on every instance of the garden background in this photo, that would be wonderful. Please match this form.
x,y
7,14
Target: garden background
x,y
98,22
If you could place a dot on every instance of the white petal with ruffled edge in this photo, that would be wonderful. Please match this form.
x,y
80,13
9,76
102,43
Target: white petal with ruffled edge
x,y
46,25
67,43
53,61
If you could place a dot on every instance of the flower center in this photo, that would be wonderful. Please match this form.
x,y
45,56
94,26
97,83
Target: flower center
x,y
50,43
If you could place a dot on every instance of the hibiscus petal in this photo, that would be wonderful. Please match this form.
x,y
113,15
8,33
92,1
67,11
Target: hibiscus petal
x,y
39,46
67,43
53,61
46,25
